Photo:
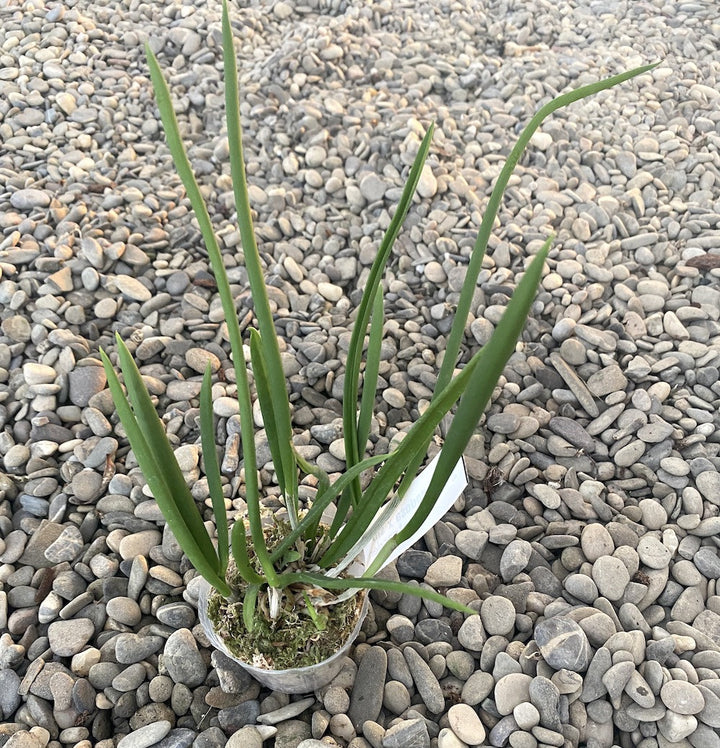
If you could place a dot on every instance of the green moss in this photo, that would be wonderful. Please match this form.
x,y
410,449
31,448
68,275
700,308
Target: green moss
x,y
291,641
294,639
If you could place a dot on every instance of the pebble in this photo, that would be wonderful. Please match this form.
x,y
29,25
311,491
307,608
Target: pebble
x,y
286,712
445,572
497,615
183,661
653,553
146,736
67,546
510,691
596,542
611,577
131,648
515,558
409,732
563,644
682,697
366,698
477,687
247,737
472,635
466,724
425,681
67,638
132,288
448,739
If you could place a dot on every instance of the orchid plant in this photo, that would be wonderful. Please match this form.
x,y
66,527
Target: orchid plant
x,y
310,556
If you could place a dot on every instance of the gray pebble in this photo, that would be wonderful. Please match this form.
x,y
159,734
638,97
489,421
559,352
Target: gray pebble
x,y
367,695
182,659
682,697
67,638
425,681
497,615
563,644
410,733
146,736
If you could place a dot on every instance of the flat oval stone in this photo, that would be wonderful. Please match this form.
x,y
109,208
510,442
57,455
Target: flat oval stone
x,y
146,736
595,542
653,553
367,695
611,576
182,659
563,644
131,648
466,724
30,198
67,638
510,691
682,697
497,615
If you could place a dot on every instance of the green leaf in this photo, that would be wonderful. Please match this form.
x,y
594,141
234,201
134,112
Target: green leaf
x,y
201,555
154,432
287,475
249,604
475,398
238,542
182,164
323,485
352,368
463,309
212,469
367,405
319,619
373,583
342,509
281,451
372,367
309,469
457,331
322,501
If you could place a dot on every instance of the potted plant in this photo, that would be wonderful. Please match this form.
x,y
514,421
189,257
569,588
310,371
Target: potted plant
x,y
280,592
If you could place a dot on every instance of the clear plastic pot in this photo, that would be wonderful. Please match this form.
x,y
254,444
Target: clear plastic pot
x,y
292,680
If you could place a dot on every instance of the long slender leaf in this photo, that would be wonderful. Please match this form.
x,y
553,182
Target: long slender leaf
x,y
372,367
367,404
154,432
182,164
342,509
352,368
238,543
206,564
457,330
281,451
249,603
476,397
373,583
473,270
285,468
212,469
323,485
317,472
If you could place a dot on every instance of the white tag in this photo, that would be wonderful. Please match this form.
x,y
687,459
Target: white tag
x,y
396,514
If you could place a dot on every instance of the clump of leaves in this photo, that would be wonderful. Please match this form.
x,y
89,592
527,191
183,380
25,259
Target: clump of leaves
x,y
277,573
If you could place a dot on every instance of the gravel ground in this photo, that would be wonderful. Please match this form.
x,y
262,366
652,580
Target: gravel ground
x,y
589,534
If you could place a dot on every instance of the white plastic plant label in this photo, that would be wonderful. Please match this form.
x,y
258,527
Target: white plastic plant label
x,y
396,514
